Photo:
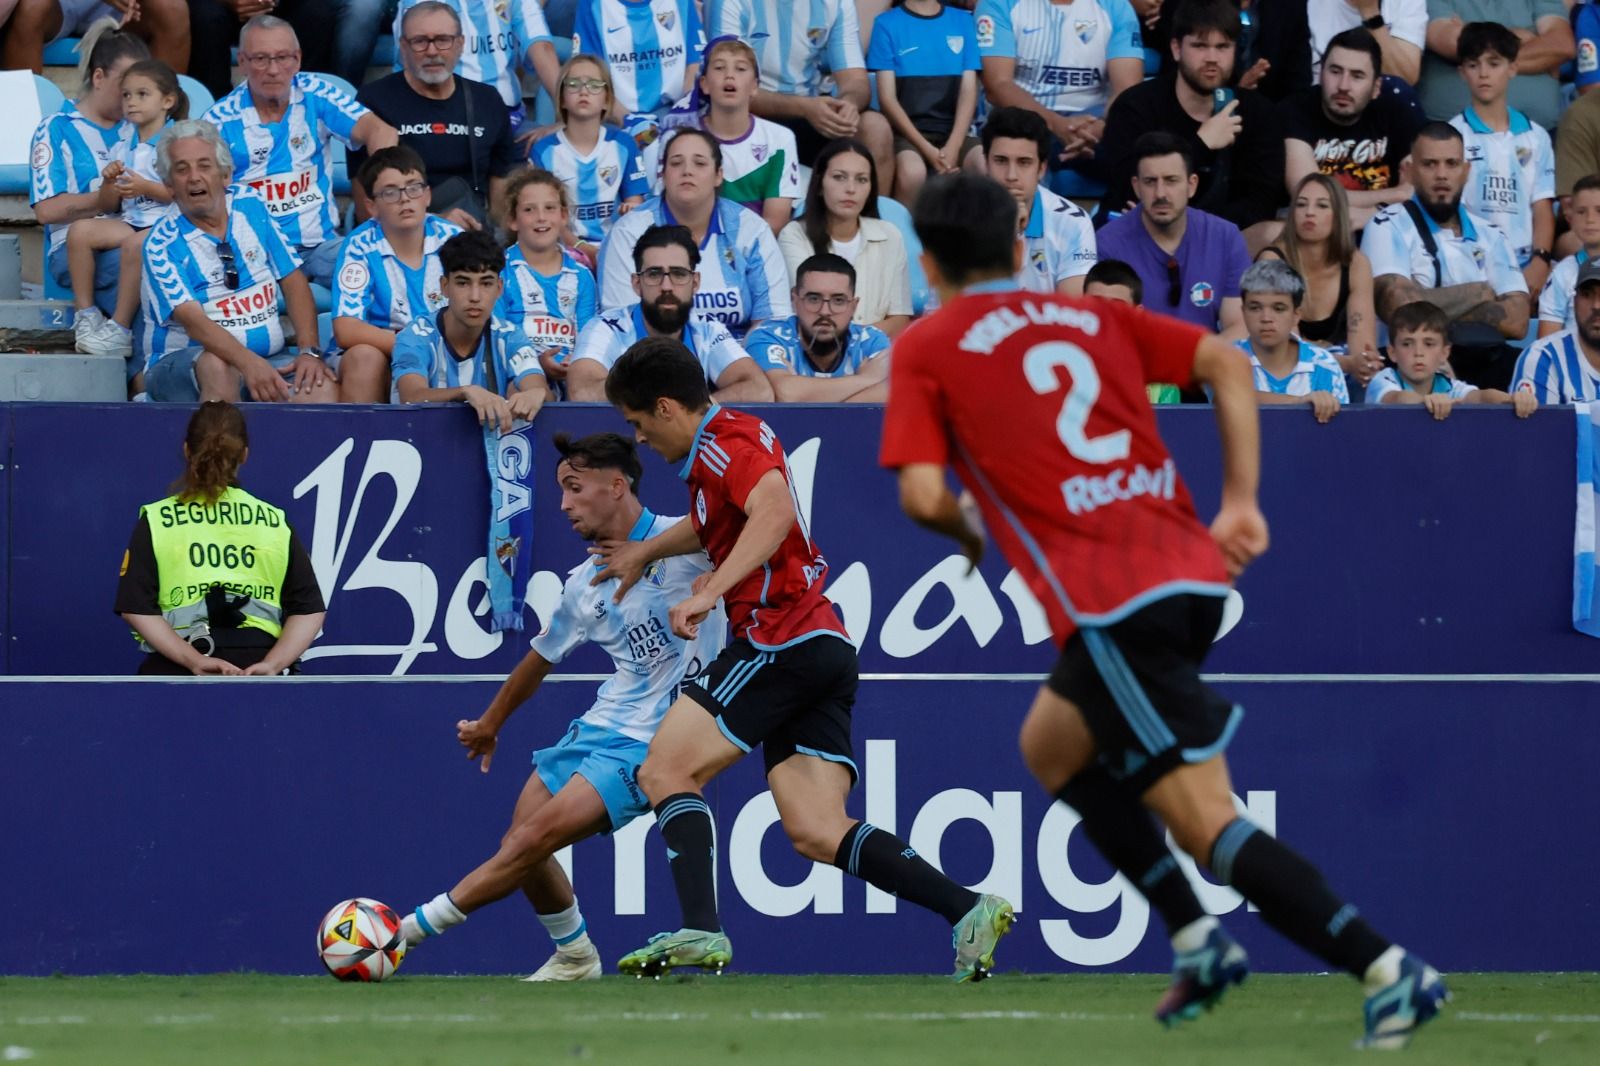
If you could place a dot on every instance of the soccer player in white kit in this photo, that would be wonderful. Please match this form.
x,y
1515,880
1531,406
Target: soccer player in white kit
x,y
585,784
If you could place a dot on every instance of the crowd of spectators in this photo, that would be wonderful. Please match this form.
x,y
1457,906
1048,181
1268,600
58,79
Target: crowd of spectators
x,y
1306,178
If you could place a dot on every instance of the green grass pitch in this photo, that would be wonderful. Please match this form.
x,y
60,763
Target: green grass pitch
x,y
1088,1019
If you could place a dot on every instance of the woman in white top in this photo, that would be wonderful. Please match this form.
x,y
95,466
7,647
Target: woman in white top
x,y
841,216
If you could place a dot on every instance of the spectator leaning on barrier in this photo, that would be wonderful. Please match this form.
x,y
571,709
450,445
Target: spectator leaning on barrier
x,y
461,128
1189,261
161,24
1351,127
818,355
1432,248
841,217
388,272
665,280
1419,344
1546,35
213,275
1583,214
1287,369
502,37
1399,27
1565,367
214,581
1057,236
279,124
548,292
70,151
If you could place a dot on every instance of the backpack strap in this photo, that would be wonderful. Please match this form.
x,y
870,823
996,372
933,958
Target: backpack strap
x,y
1428,242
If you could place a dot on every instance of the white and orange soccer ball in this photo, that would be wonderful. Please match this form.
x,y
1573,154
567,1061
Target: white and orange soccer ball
x,y
359,940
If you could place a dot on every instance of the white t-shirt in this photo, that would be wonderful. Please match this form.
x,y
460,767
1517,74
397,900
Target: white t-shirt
x,y
848,250
1407,21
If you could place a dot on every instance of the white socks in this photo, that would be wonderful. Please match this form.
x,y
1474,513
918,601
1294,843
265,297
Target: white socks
x,y
1192,937
568,929
431,919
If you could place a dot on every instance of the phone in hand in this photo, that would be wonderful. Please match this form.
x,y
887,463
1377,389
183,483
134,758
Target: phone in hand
x,y
1220,99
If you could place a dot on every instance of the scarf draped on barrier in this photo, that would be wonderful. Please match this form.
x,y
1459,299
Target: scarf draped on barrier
x,y
510,557
1586,538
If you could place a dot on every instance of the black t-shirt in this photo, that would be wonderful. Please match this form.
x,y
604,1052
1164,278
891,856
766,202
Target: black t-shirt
x,y
1365,155
139,590
438,130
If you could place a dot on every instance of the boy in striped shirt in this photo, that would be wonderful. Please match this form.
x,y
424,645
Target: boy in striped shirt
x,y
1419,344
1565,367
1287,369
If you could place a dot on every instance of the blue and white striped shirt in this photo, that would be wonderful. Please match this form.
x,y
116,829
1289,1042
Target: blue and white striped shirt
x,y
498,36
68,153
421,349
1388,380
595,182
139,157
376,287
550,308
614,332
743,275
1316,371
182,264
290,162
648,44
1556,371
649,661
777,346
1061,50
794,41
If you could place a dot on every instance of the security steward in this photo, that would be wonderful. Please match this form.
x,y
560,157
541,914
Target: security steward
x,y
214,582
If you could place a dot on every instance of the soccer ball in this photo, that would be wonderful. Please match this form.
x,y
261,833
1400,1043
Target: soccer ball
x,y
359,940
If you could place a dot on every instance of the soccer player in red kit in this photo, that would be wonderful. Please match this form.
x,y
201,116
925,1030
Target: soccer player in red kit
x,y
786,681
1039,403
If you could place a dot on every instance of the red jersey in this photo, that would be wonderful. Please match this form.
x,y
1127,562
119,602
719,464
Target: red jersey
x,y
780,602
1039,402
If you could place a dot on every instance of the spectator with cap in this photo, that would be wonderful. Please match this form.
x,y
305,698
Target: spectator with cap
x,y
1546,40
461,128
1058,238
161,24
502,37
1565,367
819,354
279,124
213,276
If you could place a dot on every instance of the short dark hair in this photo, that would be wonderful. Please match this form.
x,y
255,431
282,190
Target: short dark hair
x,y
1436,130
1480,37
1195,17
1358,39
601,451
693,131
826,263
1018,123
1420,315
968,224
655,368
473,252
1116,272
666,237
1587,183
396,157
1159,143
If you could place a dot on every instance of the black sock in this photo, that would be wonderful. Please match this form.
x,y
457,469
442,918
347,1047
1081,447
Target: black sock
x,y
1294,898
685,824
885,861
1123,831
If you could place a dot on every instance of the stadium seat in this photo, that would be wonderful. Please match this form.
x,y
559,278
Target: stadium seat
x,y
325,329
892,210
62,53
383,52
17,178
200,98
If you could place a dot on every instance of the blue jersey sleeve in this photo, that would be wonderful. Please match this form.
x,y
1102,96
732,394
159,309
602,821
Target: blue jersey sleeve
x,y
880,50
50,156
634,182
332,108
285,260
529,24
588,304
694,33
769,350
586,34
164,281
993,29
413,354
1125,42
844,40
521,358
1586,28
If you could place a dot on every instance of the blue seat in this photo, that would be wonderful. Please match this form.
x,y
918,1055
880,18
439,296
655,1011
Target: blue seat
x,y
17,178
62,53
325,329
893,211
543,112
383,52
323,297
200,98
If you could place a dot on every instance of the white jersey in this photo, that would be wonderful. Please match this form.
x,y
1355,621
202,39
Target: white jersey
x,y
1058,243
1388,380
1556,371
1480,252
1555,299
1062,50
1511,171
651,663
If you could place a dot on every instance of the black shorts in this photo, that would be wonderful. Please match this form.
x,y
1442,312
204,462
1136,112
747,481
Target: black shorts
x,y
795,701
1137,684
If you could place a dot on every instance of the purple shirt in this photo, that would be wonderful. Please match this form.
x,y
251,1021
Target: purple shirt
x,y
1211,258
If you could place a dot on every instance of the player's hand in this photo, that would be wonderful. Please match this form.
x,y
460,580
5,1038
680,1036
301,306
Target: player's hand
x,y
263,382
308,372
624,560
491,410
972,543
1524,403
686,617
1438,405
1223,128
1324,405
478,739
1240,530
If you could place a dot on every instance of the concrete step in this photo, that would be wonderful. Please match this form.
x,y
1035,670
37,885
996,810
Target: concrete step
x,y
63,377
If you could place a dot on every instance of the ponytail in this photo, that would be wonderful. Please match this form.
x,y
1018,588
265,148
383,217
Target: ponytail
x,y
215,442
104,46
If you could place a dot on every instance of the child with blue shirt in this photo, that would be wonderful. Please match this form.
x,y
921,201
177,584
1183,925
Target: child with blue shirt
x,y
1287,369
548,293
926,57
1419,344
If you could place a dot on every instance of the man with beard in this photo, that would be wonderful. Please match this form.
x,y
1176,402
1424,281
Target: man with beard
x,y
1232,135
460,127
665,277
1188,261
818,355
1431,248
1565,367
1351,127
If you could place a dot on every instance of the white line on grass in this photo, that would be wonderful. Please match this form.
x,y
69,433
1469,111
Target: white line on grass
x,y
1560,1019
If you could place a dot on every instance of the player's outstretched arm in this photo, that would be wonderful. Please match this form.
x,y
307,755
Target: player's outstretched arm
x,y
769,516
626,560
479,736
926,499
1239,529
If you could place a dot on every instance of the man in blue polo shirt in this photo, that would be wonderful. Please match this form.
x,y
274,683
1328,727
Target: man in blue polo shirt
x,y
1188,260
818,355
665,278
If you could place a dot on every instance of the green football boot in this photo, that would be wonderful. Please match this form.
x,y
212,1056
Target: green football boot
x,y
976,935
686,947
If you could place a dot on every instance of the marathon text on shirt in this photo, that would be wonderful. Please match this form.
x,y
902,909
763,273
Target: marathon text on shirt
x,y
288,194
247,309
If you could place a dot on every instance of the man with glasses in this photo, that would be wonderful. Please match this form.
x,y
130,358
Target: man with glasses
x,y
664,262
818,355
279,124
501,36
213,275
461,128
1189,261
1057,236
389,272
